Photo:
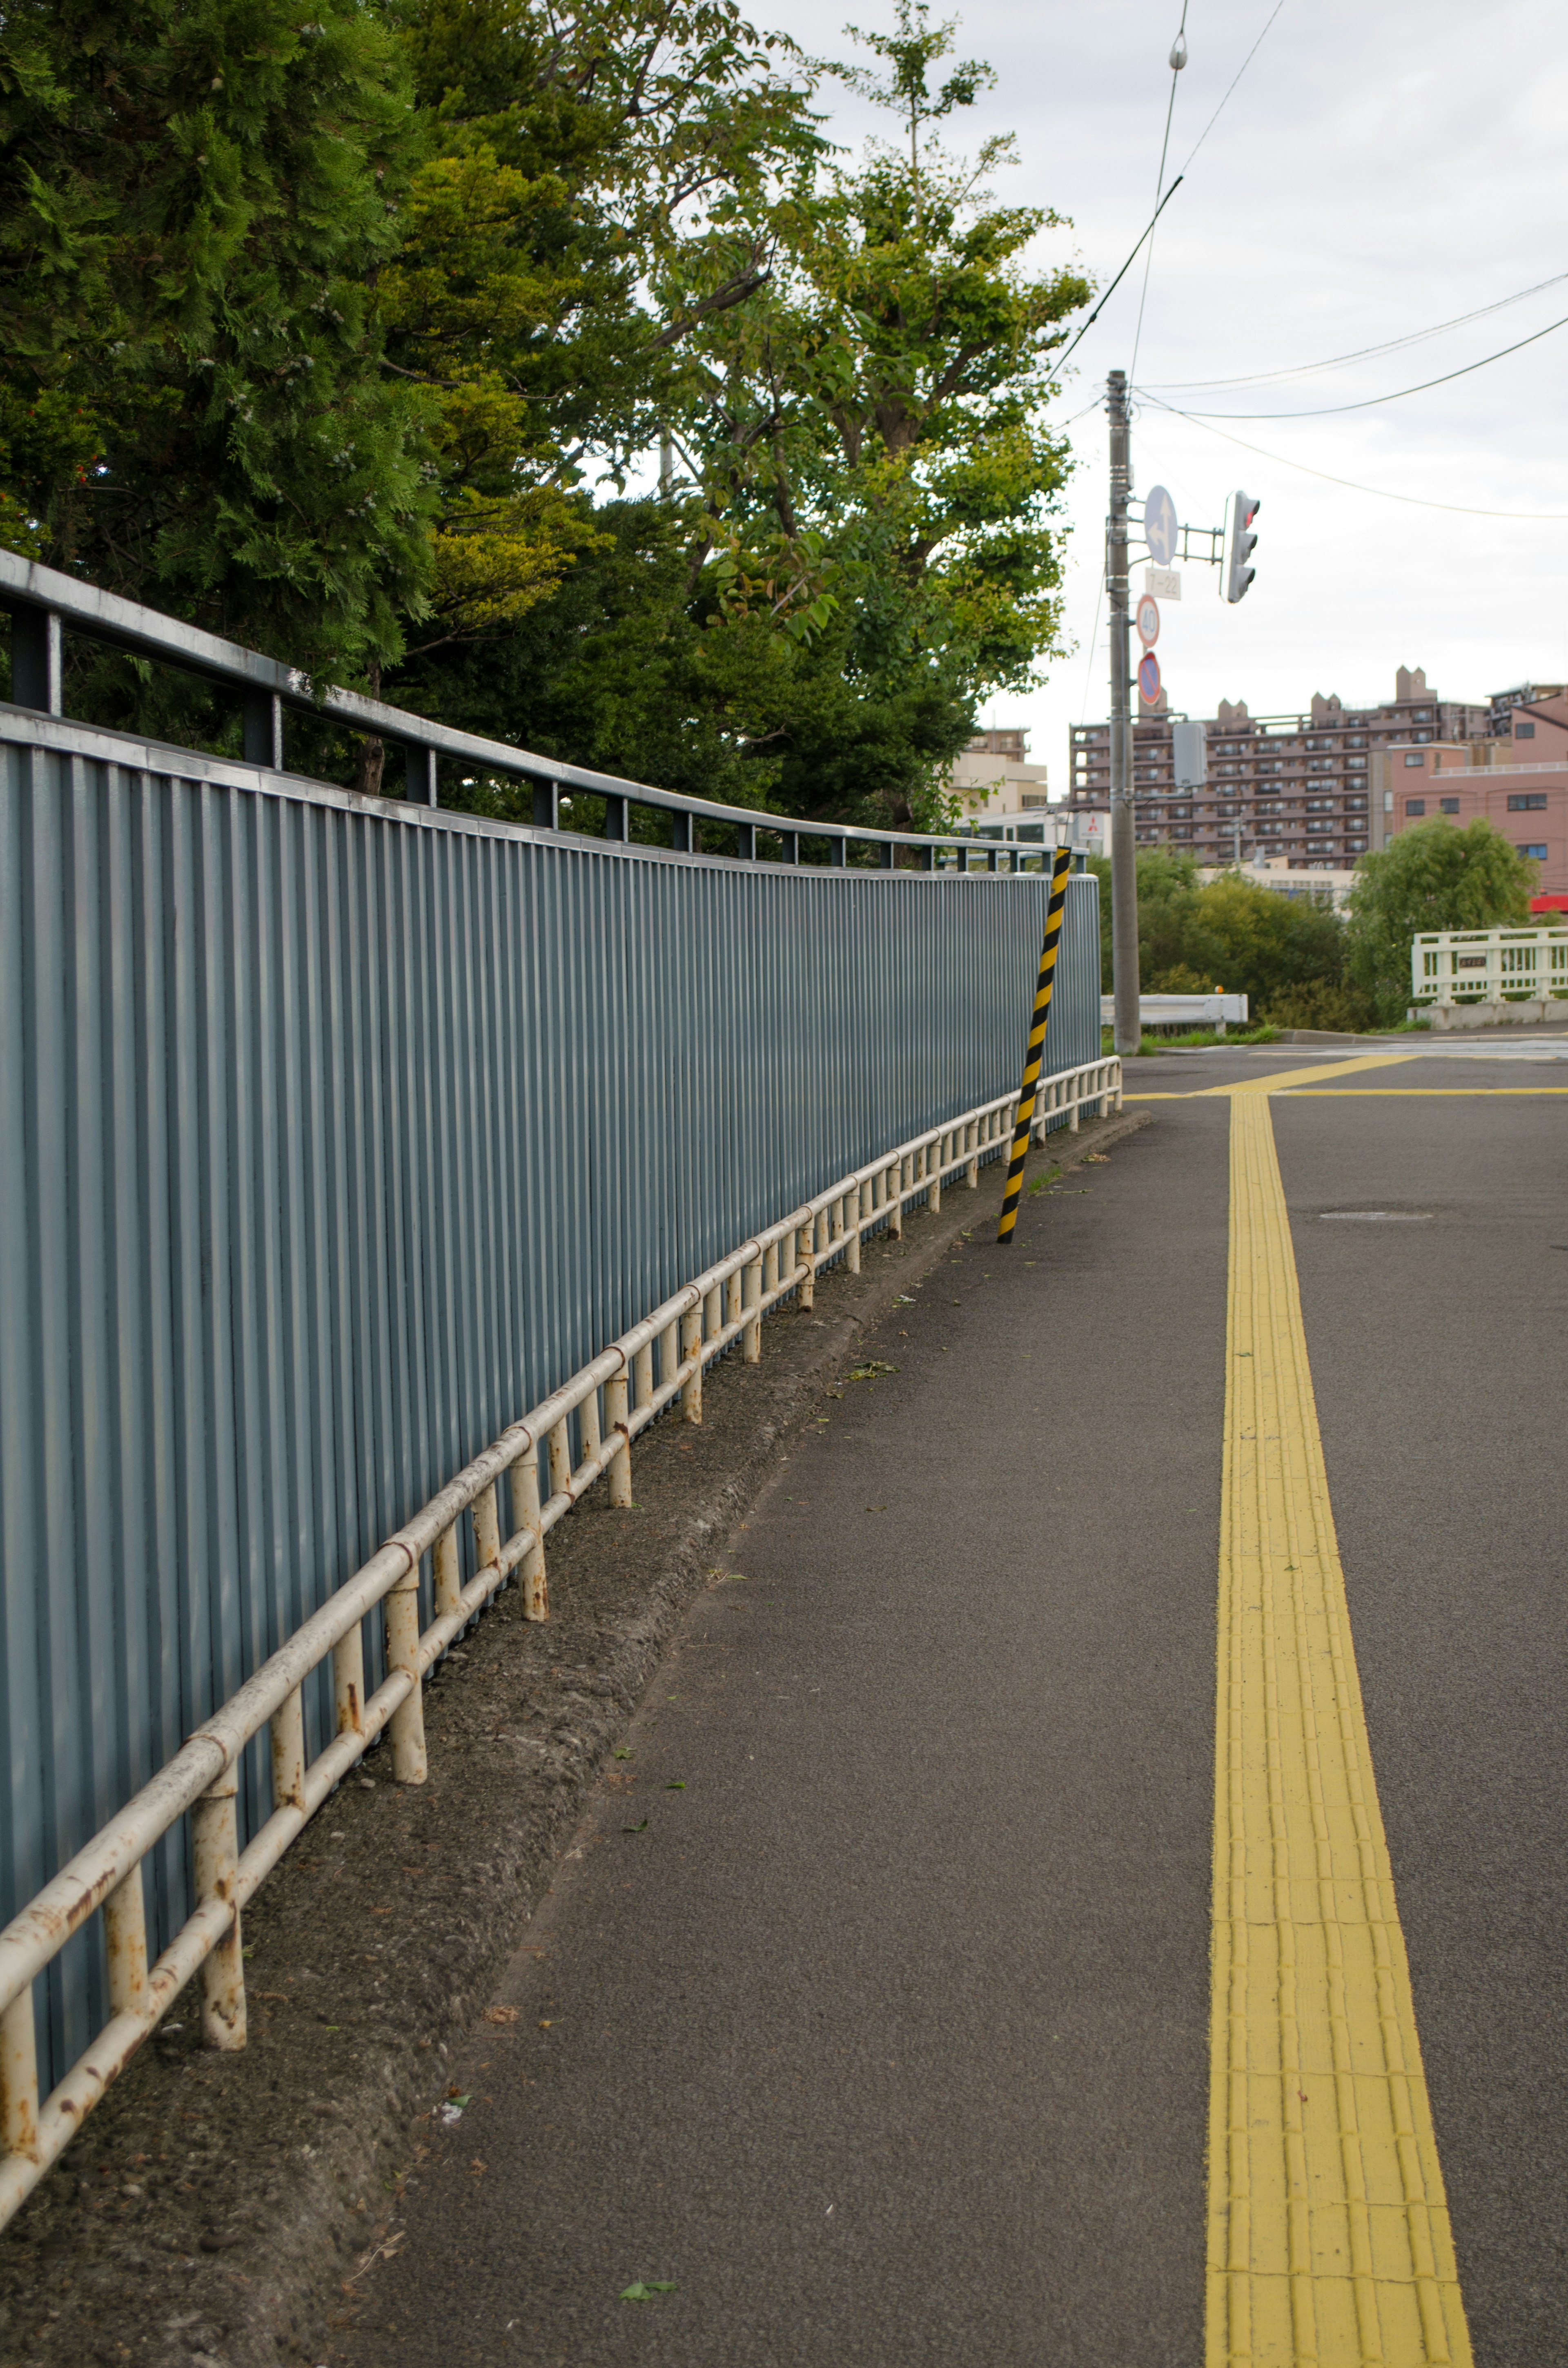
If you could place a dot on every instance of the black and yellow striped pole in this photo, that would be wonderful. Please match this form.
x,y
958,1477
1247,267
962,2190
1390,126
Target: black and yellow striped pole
x,y
1035,1053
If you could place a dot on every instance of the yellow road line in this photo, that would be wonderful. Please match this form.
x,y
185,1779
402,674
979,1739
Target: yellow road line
x,y
1328,2232
1279,1079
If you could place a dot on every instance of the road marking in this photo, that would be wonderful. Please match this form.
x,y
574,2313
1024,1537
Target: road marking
x,y
1328,2232
1281,1078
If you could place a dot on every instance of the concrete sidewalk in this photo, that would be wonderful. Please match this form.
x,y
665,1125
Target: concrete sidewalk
x,y
870,2013
885,2038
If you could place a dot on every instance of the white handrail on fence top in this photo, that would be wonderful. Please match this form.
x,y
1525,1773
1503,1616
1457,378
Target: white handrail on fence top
x,y
1488,963
201,1780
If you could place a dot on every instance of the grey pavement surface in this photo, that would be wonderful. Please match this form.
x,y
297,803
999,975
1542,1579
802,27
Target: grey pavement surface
x,y
869,2010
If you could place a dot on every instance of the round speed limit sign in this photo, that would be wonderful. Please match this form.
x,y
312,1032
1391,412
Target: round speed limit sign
x,y
1148,621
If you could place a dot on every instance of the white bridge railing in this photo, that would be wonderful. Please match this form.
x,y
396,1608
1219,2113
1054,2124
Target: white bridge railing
x,y
1484,965
613,1398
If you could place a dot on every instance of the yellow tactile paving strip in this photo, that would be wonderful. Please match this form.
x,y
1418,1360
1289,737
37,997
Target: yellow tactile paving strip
x,y
1328,2232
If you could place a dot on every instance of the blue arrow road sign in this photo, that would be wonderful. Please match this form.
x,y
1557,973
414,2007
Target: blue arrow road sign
x,y
1160,526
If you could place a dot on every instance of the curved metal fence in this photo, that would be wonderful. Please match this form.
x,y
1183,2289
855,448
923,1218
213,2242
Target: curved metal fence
x,y
335,1133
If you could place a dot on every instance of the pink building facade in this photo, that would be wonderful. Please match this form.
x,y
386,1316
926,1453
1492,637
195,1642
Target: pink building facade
x,y
1518,781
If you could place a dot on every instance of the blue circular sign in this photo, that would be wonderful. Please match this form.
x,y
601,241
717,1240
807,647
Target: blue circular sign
x,y
1148,678
1160,526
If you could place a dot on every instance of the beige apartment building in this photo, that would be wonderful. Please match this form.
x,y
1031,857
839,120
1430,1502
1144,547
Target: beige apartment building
x,y
994,777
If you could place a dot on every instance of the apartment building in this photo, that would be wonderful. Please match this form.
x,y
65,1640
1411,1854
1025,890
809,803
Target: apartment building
x,y
1516,778
1296,786
994,777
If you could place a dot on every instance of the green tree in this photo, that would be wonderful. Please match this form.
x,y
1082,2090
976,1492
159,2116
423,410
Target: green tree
x,y
1432,876
193,203
1231,933
868,432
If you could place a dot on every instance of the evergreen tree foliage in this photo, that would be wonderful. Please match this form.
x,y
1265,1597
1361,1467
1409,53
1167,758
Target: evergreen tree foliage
x,y
194,196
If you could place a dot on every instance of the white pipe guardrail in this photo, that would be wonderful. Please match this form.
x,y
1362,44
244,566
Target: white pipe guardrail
x,y
1487,964
1216,1010
724,1304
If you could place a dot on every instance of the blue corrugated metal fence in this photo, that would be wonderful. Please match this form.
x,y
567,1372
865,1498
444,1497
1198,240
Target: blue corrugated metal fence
x,y
332,1134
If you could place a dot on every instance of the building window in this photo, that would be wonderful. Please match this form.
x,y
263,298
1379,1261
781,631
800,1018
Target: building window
x,y
1533,802
1537,850
1447,805
1524,731
1414,806
1415,760
1351,803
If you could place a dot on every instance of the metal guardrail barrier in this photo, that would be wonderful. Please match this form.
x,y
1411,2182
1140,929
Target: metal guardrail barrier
x,y
659,1361
44,603
1485,965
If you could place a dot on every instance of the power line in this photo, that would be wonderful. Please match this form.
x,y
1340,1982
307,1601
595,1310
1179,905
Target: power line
x,y
1329,410
1362,353
1241,70
1380,492
1115,284
1179,60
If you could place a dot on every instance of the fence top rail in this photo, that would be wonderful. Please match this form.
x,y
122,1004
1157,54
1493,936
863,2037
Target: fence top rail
x,y
28,588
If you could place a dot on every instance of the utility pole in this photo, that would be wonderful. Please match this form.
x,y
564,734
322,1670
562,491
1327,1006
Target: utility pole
x,y
1124,837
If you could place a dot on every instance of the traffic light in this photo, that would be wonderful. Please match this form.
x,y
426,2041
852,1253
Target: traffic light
x,y
1236,574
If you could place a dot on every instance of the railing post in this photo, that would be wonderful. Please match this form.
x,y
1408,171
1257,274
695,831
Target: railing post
x,y
18,2078
447,1577
525,1515
588,1425
854,1211
125,1943
805,1263
751,1338
972,1164
288,1752
933,1197
615,818
400,1609
893,1193
691,1353
559,1459
618,1417
262,729
745,842
348,1680
37,660
486,1528
546,805
643,1375
215,1835
419,771
733,1285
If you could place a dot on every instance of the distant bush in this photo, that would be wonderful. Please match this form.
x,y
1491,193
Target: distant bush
x,y
1319,1003
1233,934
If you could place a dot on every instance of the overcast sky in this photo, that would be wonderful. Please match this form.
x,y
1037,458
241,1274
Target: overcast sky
x,y
1379,169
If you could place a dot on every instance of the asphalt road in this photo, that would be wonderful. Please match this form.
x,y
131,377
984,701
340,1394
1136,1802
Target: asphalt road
x,y
882,2036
